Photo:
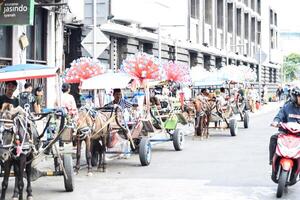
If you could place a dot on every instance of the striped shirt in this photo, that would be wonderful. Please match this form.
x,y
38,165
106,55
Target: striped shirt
x,y
123,103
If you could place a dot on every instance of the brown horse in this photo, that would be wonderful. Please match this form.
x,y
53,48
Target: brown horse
x,y
17,144
93,129
203,109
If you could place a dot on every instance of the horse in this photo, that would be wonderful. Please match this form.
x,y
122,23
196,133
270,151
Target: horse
x,y
17,148
93,129
203,109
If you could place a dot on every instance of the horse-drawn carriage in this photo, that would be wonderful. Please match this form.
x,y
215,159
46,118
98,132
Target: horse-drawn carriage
x,y
21,143
219,106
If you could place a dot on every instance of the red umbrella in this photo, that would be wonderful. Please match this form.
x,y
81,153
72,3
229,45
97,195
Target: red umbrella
x,y
142,66
177,72
81,69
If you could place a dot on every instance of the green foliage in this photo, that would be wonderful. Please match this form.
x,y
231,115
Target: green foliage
x,y
291,66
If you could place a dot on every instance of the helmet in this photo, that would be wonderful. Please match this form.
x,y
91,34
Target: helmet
x,y
294,93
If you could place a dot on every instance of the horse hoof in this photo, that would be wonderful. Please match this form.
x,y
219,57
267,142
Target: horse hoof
x,y
90,174
76,173
15,198
30,198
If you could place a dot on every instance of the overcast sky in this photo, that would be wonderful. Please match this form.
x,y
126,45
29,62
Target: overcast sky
x,y
288,13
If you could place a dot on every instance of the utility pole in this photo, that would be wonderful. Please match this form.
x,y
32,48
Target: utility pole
x,y
94,27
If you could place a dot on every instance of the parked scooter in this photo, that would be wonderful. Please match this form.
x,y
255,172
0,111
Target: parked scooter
x,y
286,160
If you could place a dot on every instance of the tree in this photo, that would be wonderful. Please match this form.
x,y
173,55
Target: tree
x,y
291,66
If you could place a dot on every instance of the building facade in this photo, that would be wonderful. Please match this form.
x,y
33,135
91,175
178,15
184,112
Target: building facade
x,y
46,40
205,33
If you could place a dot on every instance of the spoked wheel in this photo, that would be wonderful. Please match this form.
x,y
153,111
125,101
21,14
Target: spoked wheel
x,y
233,127
178,139
281,183
145,151
69,173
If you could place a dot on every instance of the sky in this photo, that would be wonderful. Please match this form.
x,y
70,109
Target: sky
x,y
288,13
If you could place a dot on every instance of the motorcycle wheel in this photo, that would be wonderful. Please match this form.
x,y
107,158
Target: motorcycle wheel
x,y
281,183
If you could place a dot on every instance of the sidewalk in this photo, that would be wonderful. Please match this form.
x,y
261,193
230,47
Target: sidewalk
x,y
269,107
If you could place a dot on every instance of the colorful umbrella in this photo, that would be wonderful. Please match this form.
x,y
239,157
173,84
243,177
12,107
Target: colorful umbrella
x,y
81,69
177,72
142,66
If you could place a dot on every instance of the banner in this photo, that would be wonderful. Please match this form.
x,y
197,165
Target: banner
x,y
16,12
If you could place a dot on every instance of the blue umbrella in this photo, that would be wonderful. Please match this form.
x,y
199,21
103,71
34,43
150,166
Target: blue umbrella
x,y
26,71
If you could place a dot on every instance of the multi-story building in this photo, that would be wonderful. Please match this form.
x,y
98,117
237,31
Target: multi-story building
x,y
209,33
52,20
205,33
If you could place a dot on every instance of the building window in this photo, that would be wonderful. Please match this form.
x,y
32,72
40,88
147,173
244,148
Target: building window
x,y
5,44
37,34
172,53
230,17
206,59
148,48
208,11
219,62
253,29
246,26
220,14
259,6
270,75
272,39
275,18
258,31
193,59
271,16
239,22
195,9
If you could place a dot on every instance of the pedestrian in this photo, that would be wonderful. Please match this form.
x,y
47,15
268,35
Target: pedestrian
x,y
264,93
252,96
27,98
68,101
38,92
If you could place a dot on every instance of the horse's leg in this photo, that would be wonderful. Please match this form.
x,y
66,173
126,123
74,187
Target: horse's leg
x,y
78,154
21,175
28,176
88,154
201,127
103,151
6,166
16,166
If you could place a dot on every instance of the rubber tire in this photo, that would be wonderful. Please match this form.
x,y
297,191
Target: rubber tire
x,y
145,151
246,120
178,140
233,127
281,183
68,165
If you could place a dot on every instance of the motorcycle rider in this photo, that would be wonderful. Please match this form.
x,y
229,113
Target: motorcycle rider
x,y
290,112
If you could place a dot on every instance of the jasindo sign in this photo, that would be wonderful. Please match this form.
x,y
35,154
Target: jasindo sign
x,y
14,12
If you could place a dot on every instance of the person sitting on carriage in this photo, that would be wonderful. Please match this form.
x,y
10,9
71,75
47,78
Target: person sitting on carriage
x,y
119,100
10,88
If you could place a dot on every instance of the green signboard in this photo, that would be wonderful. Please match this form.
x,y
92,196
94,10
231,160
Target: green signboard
x,y
16,12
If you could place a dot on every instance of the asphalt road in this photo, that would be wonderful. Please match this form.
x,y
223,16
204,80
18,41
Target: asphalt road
x,y
220,168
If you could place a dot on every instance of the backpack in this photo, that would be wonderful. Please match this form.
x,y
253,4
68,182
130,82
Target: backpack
x,y
26,98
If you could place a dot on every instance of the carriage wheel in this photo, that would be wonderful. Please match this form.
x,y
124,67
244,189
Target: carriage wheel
x,y
145,151
233,127
246,120
69,176
178,139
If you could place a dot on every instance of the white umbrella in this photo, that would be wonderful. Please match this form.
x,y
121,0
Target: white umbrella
x,y
107,81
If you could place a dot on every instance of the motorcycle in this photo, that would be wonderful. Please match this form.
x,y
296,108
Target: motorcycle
x,y
286,160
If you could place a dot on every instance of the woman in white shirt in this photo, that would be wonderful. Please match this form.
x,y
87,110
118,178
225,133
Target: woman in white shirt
x,y
68,101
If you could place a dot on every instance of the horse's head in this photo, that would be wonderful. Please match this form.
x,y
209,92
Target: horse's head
x,y
6,133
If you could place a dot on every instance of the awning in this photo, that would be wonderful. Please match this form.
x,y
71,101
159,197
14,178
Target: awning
x,y
118,29
26,71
